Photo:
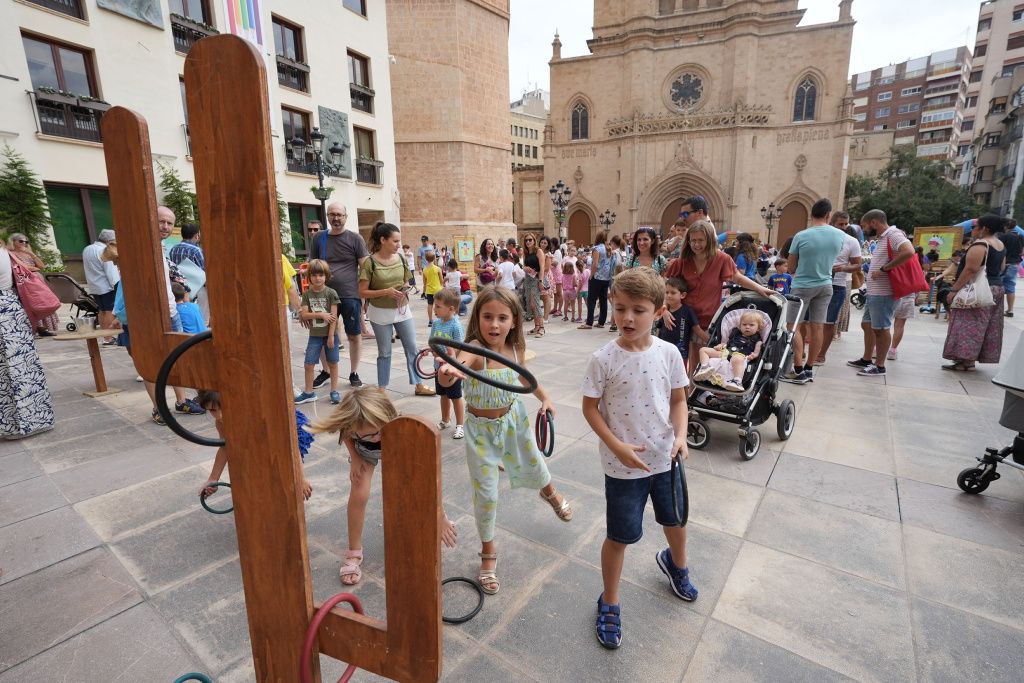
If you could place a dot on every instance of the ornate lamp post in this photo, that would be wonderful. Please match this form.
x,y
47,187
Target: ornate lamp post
x,y
560,195
770,214
322,166
607,218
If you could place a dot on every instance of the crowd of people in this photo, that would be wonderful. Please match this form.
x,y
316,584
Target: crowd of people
x,y
661,295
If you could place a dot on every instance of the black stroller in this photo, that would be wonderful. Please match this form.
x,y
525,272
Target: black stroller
x,y
977,479
760,381
84,309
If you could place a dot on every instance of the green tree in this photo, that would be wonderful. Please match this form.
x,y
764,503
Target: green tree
x,y
23,206
287,233
1018,205
179,196
912,192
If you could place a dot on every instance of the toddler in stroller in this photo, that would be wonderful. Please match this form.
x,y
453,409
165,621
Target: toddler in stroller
x,y
743,346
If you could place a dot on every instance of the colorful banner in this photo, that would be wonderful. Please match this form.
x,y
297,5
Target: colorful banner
x,y
943,240
244,19
464,248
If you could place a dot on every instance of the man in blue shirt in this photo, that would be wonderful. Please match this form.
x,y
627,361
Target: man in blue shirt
x,y
811,255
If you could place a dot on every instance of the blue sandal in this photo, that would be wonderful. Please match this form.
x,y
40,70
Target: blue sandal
x,y
679,578
609,625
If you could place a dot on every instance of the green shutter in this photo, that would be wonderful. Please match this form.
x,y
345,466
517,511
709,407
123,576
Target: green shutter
x,y
68,218
102,216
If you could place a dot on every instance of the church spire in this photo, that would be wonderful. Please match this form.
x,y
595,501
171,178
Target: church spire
x,y
556,48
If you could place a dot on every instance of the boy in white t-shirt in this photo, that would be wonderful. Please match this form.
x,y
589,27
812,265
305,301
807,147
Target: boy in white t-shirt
x,y
507,270
634,398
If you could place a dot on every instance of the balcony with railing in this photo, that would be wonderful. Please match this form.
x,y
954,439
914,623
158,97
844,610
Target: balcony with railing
x,y
292,73
939,89
369,171
934,140
362,97
72,8
71,116
945,123
188,31
946,69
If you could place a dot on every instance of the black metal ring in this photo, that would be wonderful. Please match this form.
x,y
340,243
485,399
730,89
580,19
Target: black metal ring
x,y
161,391
677,474
544,432
438,344
202,498
476,610
420,356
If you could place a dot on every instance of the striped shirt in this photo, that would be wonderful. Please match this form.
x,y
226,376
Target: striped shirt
x,y
880,285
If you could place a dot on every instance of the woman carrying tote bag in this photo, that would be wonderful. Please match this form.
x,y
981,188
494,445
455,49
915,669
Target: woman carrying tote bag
x,y
975,334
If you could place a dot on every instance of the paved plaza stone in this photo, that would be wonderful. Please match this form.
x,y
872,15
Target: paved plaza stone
x,y
846,553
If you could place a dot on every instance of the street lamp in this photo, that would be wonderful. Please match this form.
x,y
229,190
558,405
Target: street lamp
x,y
323,167
607,218
560,195
770,214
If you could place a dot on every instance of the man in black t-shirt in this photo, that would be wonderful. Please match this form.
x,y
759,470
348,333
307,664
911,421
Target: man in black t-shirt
x,y
1013,242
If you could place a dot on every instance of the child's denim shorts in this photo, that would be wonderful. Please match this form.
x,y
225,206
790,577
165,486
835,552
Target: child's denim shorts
x,y
316,344
625,500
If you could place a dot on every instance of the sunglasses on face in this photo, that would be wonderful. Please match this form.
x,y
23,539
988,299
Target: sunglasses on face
x,y
366,437
21,241
685,214
528,241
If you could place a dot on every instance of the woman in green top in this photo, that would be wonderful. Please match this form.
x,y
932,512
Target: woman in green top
x,y
383,279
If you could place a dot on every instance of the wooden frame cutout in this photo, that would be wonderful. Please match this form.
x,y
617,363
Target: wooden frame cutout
x,y
247,360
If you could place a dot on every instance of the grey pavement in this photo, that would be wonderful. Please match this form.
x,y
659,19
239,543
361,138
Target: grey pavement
x,y
845,553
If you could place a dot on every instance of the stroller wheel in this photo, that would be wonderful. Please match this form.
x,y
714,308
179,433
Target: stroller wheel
x,y
973,480
71,327
697,433
785,419
750,444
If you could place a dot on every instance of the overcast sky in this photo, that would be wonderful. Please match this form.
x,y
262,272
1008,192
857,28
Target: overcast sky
x,y
887,31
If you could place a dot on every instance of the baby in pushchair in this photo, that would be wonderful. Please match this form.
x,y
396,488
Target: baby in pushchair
x,y
743,345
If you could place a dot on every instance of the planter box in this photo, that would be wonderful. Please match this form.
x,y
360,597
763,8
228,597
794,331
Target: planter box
x,y
56,97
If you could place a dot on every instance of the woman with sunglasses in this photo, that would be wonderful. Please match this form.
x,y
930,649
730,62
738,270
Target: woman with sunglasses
x,y
22,250
534,266
26,407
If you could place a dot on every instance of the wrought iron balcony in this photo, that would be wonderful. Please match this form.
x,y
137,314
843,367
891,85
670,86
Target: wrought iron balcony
x,y
368,171
188,31
292,74
68,116
72,8
308,167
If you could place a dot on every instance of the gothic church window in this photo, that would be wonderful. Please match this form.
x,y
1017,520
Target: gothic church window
x,y
805,101
580,122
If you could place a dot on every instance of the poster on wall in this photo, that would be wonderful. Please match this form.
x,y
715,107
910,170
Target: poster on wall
x,y
146,11
464,249
244,18
944,240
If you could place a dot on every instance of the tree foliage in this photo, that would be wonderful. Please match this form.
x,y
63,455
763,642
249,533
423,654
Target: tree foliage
x,y
23,206
912,192
179,196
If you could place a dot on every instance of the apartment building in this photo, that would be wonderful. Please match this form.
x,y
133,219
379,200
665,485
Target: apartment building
x,y
65,62
529,116
998,50
998,156
920,100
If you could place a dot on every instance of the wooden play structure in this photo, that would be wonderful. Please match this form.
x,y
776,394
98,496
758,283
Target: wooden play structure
x,y
247,360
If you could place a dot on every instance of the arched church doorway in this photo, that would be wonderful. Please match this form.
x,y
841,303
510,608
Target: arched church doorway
x,y
579,227
670,216
792,221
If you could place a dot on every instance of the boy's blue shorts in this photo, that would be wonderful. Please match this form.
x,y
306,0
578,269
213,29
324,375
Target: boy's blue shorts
x,y
625,500
316,344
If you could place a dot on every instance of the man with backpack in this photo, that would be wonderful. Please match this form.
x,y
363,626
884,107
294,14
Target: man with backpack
x,y
344,250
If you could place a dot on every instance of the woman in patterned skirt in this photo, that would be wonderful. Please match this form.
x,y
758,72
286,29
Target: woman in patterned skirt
x,y
25,404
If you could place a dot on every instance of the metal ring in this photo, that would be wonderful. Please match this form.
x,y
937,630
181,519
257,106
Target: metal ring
x,y
438,344
544,432
161,391
202,498
479,604
194,676
420,356
678,474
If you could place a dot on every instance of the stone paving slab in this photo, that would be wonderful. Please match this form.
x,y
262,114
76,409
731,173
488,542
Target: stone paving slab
x,y
854,489
18,467
135,645
856,627
28,499
80,592
40,541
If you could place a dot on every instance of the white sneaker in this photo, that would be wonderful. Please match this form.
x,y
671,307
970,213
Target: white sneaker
x,y
459,433
734,385
442,425
138,378
891,355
